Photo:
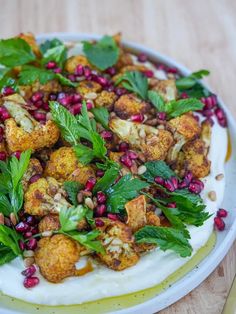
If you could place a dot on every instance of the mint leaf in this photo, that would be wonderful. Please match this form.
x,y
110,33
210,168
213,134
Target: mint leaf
x,y
157,168
48,44
5,205
156,100
57,54
70,217
29,74
176,108
107,180
123,191
9,238
6,255
102,54
189,81
84,153
135,82
166,238
64,80
72,188
101,115
15,52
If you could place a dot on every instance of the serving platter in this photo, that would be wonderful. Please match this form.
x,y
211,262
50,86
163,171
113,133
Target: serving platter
x,y
152,300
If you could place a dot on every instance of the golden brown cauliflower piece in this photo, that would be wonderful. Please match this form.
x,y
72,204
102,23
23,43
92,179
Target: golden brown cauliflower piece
x,y
23,131
43,197
124,57
118,243
86,87
135,67
153,143
167,89
64,166
52,86
34,168
49,222
31,40
136,211
105,99
56,257
128,105
206,133
74,61
152,219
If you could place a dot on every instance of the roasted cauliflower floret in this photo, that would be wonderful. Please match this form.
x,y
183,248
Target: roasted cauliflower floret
x,y
136,212
206,133
30,39
56,257
49,222
152,219
153,143
23,131
72,63
86,87
128,105
105,99
64,166
167,89
43,197
34,168
118,242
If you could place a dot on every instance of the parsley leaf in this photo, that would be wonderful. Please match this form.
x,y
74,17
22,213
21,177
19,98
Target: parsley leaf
x,y
6,80
176,108
157,168
64,80
9,248
14,52
108,179
48,44
166,238
188,82
157,100
123,191
101,115
6,255
57,54
72,188
70,217
136,82
29,74
102,54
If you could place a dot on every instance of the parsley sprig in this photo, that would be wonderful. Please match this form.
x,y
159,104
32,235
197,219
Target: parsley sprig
x,y
9,248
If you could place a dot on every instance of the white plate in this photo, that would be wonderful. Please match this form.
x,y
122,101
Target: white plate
x,y
224,239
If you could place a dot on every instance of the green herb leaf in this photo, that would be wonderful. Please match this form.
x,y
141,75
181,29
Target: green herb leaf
x,y
64,80
9,238
188,82
84,153
123,191
103,54
6,255
157,168
57,54
70,217
48,44
72,188
176,108
29,74
14,52
135,82
9,82
101,115
166,238
107,180
157,100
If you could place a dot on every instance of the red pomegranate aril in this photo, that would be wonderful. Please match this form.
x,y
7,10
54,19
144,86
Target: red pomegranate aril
x,y
76,109
71,77
102,81
57,70
161,116
32,244
159,180
169,185
222,122
171,205
207,113
52,96
219,223
1,130
1,138
184,95
5,115
188,177
106,135
123,147
87,72
29,272
111,71
22,227
137,118
126,161
79,70
51,65
35,178
40,116
100,173
172,70
199,182
222,213
219,113
161,67
112,216
34,230
17,154
99,222
31,282
21,245
3,156
37,96
182,185
28,235
46,106
120,91
101,197
148,73
89,105
142,57
194,188
132,155
8,90
38,104
90,184
174,181
76,98
101,210
30,220
209,102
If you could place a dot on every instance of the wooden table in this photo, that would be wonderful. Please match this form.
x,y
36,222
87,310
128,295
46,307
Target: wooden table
x,y
199,34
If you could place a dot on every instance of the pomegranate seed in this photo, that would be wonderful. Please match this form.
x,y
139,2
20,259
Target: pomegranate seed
x,y
161,116
120,91
184,95
1,130
101,197
102,81
112,216
101,209
106,135
161,67
169,185
57,70
219,113
137,118
175,182
21,245
76,109
53,96
17,154
89,105
219,223
99,222
90,184
46,106
1,138
31,282
125,160
100,173
51,65
3,156
32,244
209,102
29,272
5,115
35,178
222,122
71,77
132,155
207,113
172,70
28,235
123,147
8,90
222,213
111,71
79,70
87,72
76,98
22,227
34,230
30,220
142,57
39,116
194,188
171,205
148,73
182,185
38,104
159,180
37,96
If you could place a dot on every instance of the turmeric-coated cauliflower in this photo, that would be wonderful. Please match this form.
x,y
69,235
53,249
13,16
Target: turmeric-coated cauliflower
x,y
128,105
56,257
34,168
152,142
167,89
72,63
86,87
118,242
49,222
105,99
136,212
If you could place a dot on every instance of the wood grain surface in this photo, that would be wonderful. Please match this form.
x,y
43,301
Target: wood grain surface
x,y
198,34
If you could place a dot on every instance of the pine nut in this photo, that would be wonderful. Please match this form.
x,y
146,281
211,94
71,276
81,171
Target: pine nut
x,y
47,233
91,95
219,176
88,201
28,253
212,196
142,169
13,219
28,261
